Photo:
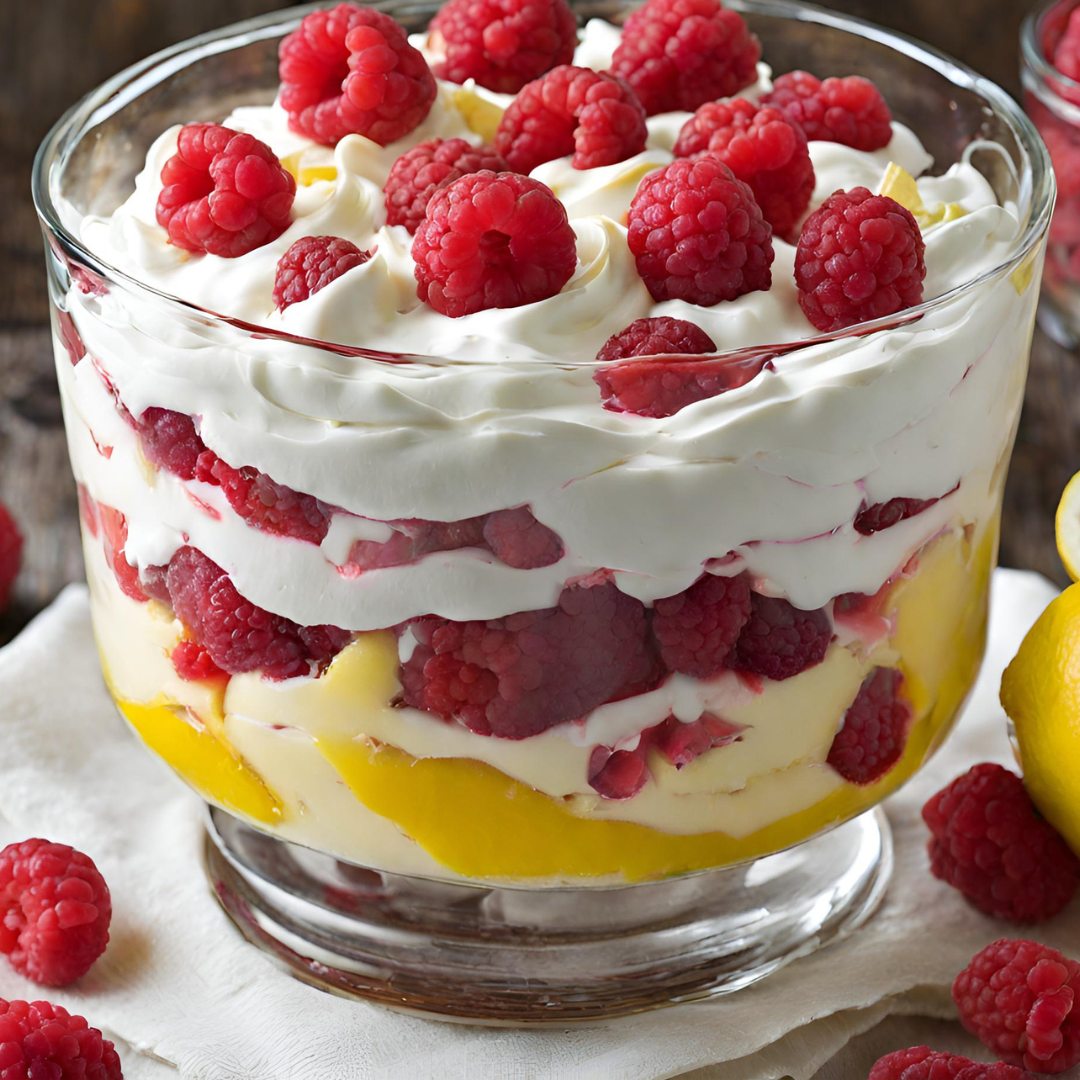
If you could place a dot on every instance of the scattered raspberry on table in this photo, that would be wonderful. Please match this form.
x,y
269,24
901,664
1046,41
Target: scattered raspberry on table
x,y
225,192
502,44
11,543
989,841
922,1063
678,54
1019,999
55,911
351,71
39,1041
850,111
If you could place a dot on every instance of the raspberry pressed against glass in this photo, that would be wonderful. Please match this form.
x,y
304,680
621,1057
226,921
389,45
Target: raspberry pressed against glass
x,y
922,1063
860,257
519,540
697,628
413,538
42,1040
678,54
492,240
872,519
1019,998
431,165
572,110
654,337
310,264
238,635
522,674
351,71
193,662
697,234
762,147
618,774
849,111
11,543
989,841
169,441
224,192
872,738
114,536
503,44
55,911
780,640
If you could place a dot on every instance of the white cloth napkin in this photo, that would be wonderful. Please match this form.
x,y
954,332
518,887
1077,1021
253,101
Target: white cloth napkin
x,y
185,996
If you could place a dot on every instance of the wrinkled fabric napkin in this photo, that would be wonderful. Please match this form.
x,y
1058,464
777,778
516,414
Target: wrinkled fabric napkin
x,y
185,996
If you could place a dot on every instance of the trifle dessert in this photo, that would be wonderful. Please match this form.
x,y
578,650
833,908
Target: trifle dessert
x,y
574,456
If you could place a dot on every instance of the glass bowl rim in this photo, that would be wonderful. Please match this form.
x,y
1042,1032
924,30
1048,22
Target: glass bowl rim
x,y
1036,181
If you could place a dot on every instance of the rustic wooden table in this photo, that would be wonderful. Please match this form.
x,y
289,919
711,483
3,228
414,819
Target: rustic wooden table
x,y
52,53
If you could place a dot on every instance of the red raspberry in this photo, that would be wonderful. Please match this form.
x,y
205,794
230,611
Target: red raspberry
x,y
990,842
697,628
238,635
224,193
572,110
860,257
762,147
872,519
678,54
310,264
42,1040
872,738
698,235
170,441
419,172
352,71
681,743
492,240
522,674
70,337
654,337
193,662
54,911
503,44
519,540
413,539
617,775
922,1063
849,111
114,538
11,542
1017,998
1066,57
780,640
265,504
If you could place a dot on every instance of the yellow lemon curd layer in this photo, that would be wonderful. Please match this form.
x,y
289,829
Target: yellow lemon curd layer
x,y
476,821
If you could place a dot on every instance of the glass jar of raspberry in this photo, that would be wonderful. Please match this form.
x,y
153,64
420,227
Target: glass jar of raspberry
x,y
542,579
1050,73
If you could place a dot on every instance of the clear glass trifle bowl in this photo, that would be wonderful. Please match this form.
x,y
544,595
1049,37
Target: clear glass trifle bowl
x,y
522,685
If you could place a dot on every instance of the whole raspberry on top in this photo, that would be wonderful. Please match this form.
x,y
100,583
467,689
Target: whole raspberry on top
x,y
654,337
697,628
492,240
224,192
42,1040
310,264
922,1063
780,640
697,234
989,841
11,542
678,54
762,147
519,540
520,675
1018,998
860,257
849,111
238,635
572,110
351,71
1066,56
872,738
503,44
55,910
419,172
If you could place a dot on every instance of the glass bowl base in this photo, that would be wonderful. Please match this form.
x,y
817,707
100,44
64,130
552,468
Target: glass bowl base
x,y
503,955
